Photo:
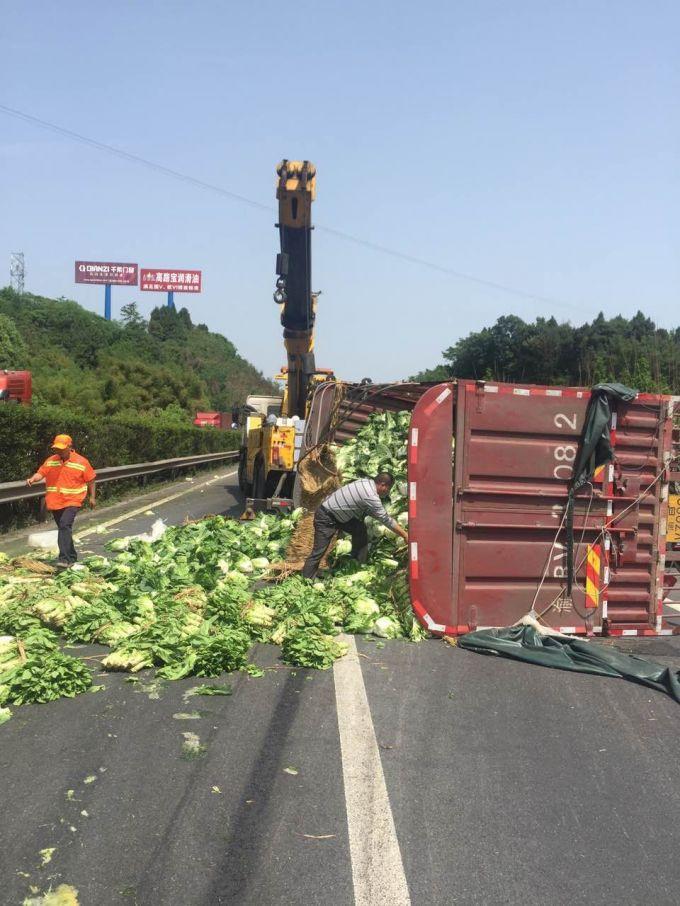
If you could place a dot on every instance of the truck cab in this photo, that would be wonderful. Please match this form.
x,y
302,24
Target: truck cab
x,y
265,442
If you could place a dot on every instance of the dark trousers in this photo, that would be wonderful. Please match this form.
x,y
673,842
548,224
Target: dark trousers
x,y
325,526
64,519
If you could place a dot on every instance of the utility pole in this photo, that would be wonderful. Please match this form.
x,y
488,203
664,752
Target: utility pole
x,y
17,272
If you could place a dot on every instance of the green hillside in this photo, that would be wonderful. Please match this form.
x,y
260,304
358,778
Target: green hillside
x,y
165,366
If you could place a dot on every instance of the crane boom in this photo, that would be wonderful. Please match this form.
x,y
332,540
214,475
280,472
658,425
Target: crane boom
x,y
296,190
273,429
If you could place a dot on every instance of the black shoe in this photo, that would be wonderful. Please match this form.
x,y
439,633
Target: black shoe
x,y
62,564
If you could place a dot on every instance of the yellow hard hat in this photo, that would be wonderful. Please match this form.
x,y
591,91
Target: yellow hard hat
x,y
61,442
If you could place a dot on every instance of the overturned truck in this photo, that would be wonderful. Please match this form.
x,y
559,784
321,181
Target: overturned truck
x,y
499,529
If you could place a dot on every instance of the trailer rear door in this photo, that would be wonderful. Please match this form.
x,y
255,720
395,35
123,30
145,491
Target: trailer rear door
x,y
487,542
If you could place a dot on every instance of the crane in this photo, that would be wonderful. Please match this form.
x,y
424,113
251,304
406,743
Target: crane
x,y
296,190
273,427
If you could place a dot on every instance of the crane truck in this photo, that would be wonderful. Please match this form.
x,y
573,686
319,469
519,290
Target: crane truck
x,y
273,427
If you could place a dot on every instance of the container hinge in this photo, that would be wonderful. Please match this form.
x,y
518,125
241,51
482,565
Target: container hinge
x,y
480,394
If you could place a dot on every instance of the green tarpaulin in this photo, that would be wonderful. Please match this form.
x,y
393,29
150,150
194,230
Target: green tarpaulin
x,y
525,643
595,449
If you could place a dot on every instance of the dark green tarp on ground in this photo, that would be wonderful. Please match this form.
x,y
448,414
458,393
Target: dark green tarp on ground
x,y
524,643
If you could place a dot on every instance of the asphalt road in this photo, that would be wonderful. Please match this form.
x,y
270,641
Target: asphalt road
x,y
505,783
203,494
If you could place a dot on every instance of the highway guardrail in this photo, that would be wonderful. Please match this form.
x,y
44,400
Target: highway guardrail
x,y
12,491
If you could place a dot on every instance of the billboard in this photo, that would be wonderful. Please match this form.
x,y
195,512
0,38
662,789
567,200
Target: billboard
x,y
111,273
159,280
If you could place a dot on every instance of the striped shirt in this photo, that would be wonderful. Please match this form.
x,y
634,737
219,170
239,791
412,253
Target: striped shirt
x,y
356,500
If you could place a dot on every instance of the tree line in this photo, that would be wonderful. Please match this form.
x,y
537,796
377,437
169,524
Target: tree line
x,y
633,351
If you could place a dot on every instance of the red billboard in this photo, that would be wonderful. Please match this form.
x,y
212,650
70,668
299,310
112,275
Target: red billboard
x,y
114,274
159,280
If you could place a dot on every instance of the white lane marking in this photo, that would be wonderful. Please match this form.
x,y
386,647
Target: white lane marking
x,y
377,869
143,509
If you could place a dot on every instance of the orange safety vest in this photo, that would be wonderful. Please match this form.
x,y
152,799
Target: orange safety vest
x,y
66,482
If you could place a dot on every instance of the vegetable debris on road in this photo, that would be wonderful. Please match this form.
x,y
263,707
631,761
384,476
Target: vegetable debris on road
x,y
193,602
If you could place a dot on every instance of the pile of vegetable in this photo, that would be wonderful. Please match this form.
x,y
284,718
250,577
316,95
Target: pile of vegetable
x,y
193,602
32,666
379,446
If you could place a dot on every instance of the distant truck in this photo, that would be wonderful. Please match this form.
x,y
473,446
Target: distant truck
x,y
16,387
221,420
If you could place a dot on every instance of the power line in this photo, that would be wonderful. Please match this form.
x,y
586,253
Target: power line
x,y
235,196
451,272
134,158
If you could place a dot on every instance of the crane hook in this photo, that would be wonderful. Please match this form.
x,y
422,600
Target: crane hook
x,y
280,295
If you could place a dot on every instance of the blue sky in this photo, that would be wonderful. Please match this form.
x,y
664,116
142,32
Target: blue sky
x,y
530,144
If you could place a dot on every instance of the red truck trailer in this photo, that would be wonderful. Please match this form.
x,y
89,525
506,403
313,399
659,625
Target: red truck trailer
x,y
15,387
220,420
489,469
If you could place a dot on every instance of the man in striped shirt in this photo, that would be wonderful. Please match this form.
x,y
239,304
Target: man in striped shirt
x,y
344,511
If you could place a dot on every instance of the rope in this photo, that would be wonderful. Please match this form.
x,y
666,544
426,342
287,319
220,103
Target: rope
x,y
382,388
547,563
600,536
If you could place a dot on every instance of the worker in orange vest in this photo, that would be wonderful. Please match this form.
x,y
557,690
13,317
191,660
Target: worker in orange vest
x,y
69,479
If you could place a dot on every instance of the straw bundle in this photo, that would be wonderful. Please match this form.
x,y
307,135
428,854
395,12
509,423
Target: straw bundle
x,y
34,566
318,478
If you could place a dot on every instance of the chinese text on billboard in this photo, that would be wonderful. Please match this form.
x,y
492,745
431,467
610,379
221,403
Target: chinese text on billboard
x,y
157,280
115,274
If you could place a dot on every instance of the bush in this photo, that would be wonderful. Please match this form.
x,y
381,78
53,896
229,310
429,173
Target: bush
x,y
26,433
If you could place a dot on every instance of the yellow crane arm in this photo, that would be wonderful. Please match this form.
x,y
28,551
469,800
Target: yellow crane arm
x,y
296,190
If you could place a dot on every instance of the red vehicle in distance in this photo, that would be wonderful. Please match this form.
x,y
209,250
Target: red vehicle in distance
x,y
16,387
221,420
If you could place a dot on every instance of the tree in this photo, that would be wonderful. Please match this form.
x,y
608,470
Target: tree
x,y
131,316
438,373
185,318
173,414
13,352
167,323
